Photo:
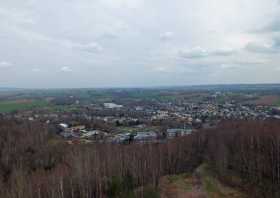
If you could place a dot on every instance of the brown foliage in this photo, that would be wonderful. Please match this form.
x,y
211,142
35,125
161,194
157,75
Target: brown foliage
x,y
33,167
250,149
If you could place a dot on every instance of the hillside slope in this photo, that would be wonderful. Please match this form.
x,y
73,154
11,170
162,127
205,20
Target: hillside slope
x,y
201,184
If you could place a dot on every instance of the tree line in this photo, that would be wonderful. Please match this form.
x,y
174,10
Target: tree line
x,y
36,163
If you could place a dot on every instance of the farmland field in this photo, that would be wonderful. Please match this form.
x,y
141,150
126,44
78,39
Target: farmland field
x,y
16,105
268,100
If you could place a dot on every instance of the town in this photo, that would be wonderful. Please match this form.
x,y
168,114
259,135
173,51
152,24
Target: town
x,y
125,119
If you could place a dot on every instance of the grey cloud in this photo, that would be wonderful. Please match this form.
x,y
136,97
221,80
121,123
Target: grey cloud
x,y
223,52
110,35
36,70
270,27
66,69
16,16
199,52
263,48
228,66
196,52
166,36
91,47
5,65
237,65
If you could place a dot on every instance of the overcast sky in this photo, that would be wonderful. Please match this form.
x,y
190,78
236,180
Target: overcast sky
x,y
135,43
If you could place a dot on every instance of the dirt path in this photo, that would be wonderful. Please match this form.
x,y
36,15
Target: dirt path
x,y
182,186
200,184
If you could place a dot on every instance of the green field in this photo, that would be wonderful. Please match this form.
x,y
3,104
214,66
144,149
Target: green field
x,y
10,106
277,103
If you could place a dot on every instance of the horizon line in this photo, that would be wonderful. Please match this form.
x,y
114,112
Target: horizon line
x,y
142,87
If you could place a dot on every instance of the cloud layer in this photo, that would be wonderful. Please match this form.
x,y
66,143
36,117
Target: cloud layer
x,y
101,43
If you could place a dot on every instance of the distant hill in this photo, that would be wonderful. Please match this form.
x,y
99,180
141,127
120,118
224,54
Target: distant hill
x,y
227,87
203,87
10,89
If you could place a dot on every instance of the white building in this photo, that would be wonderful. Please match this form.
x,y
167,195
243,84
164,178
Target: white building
x,y
112,105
